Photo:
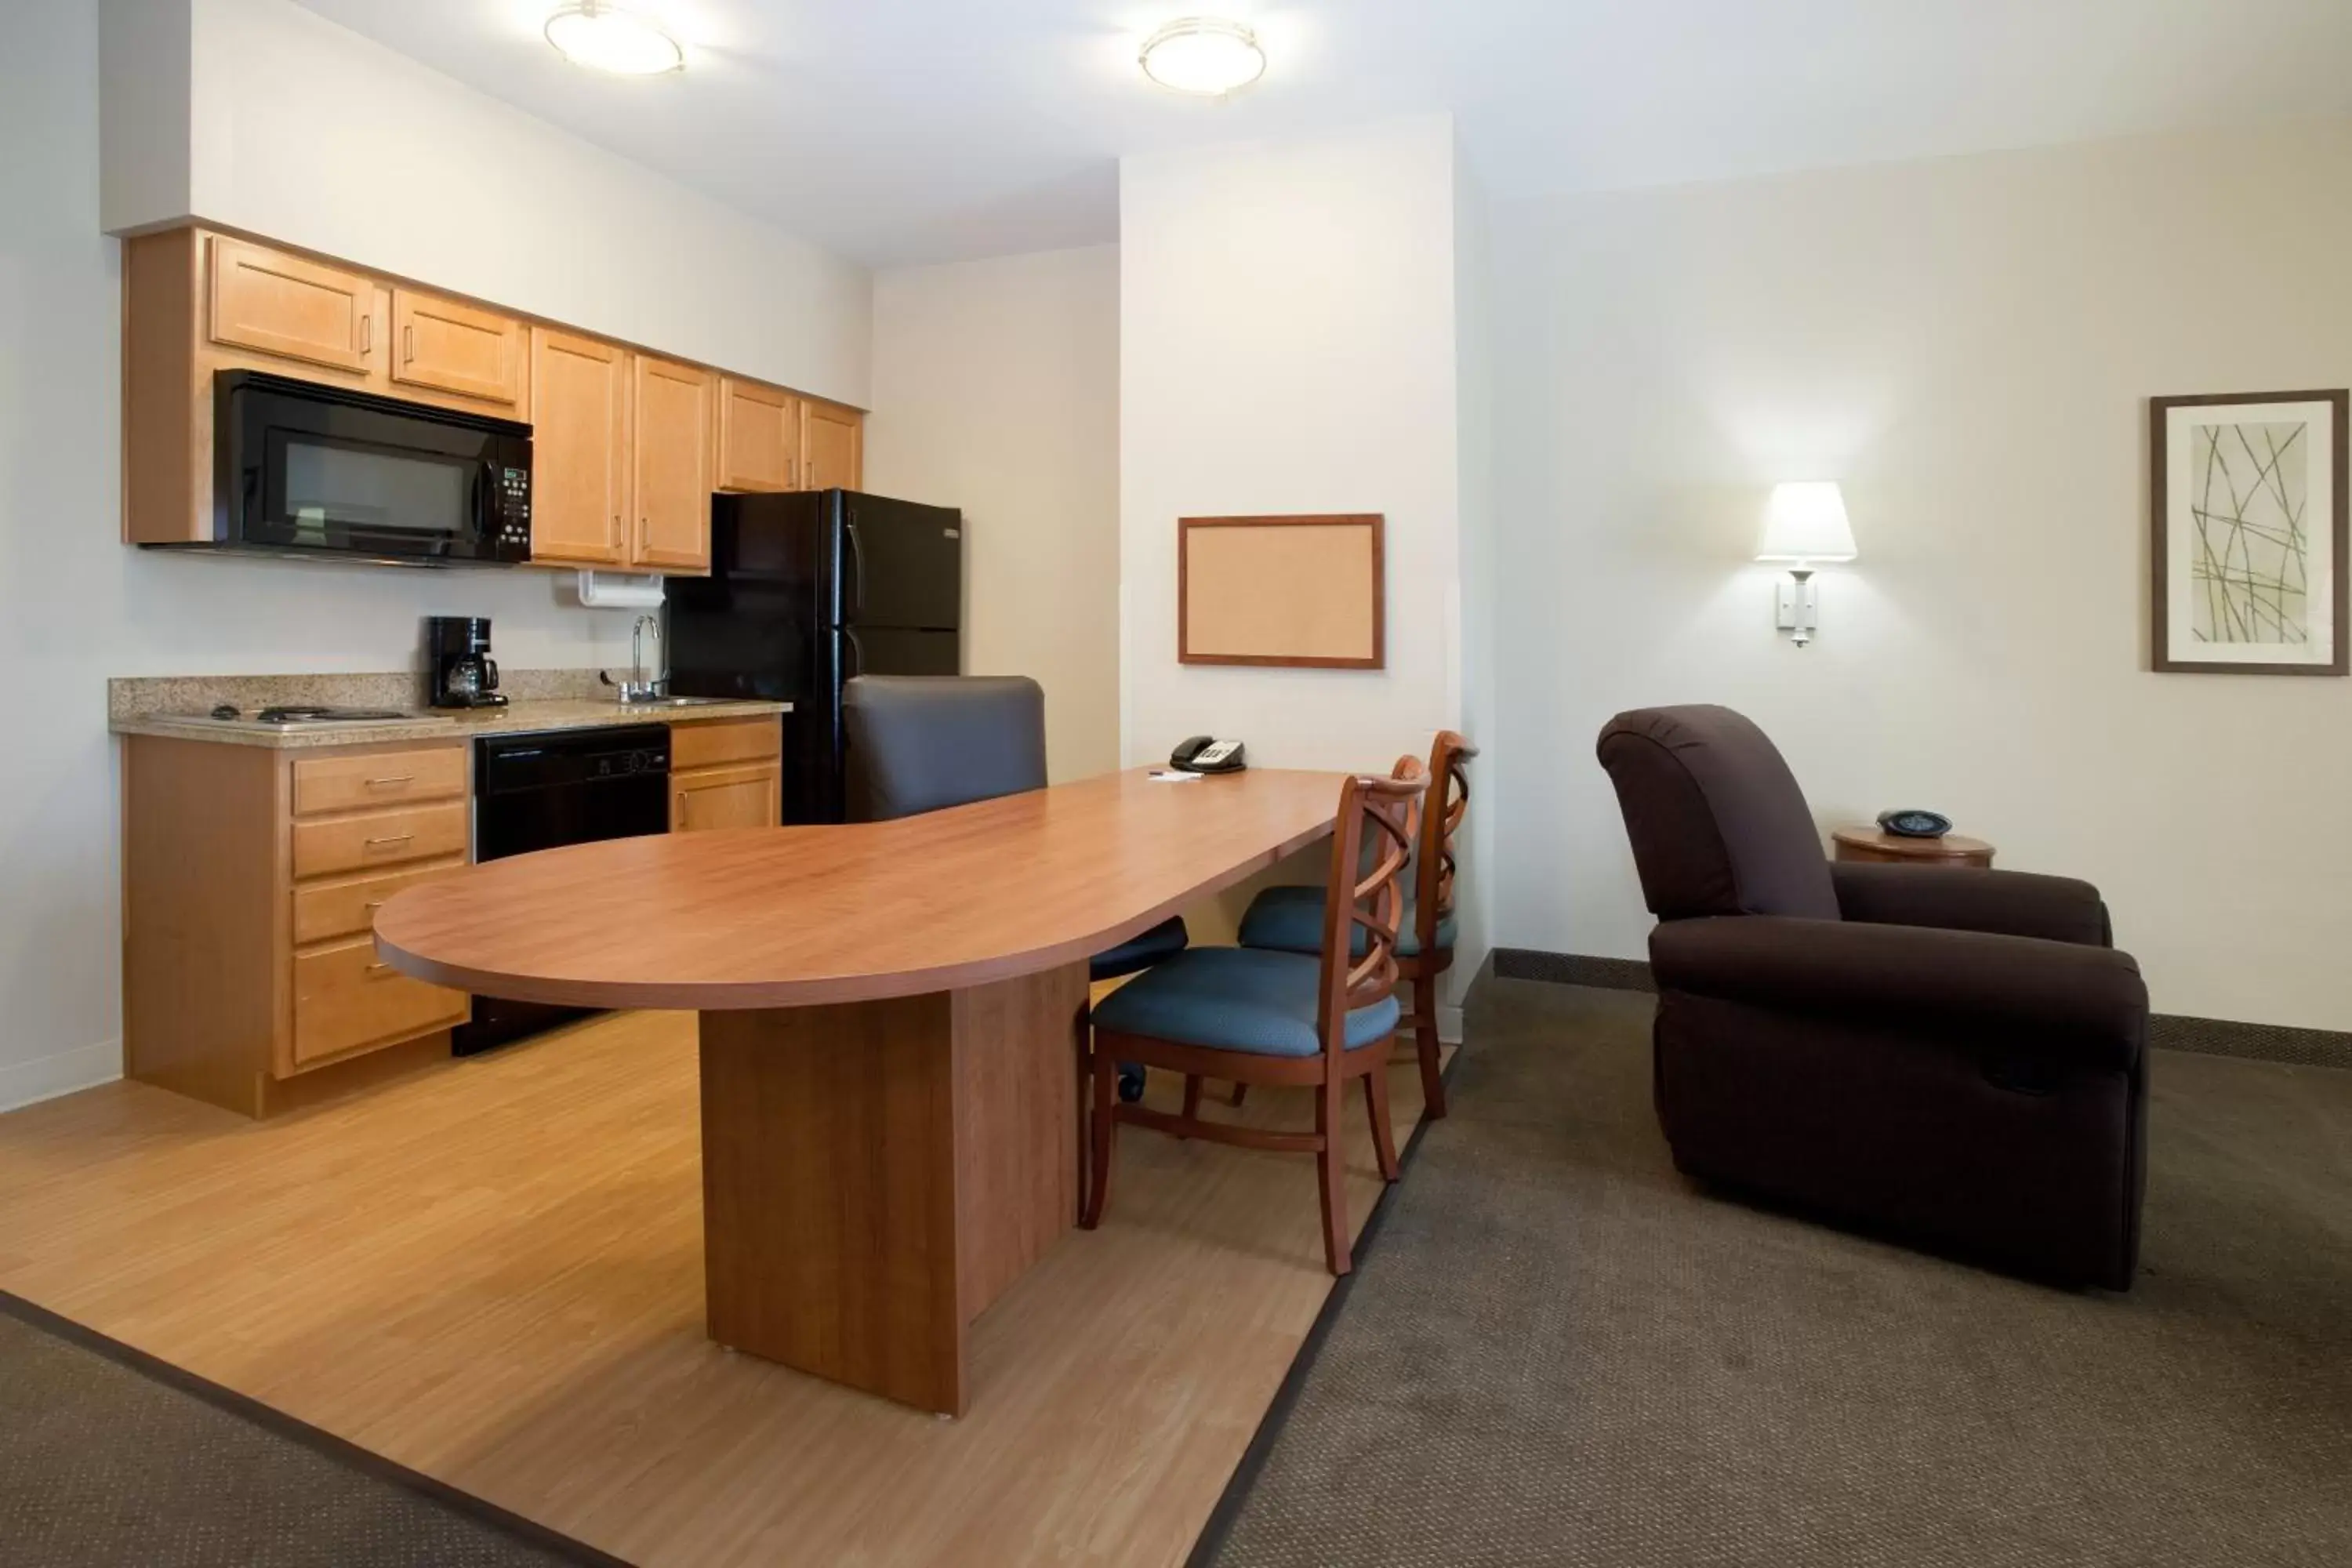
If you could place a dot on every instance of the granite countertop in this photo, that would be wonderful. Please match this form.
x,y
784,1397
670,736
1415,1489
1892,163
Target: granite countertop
x,y
179,707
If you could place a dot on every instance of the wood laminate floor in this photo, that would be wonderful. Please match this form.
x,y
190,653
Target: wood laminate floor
x,y
492,1272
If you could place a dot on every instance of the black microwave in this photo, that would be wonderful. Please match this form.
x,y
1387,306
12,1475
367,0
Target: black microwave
x,y
308,471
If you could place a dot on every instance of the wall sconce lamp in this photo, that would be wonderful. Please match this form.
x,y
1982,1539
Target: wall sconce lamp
x,y
1805,526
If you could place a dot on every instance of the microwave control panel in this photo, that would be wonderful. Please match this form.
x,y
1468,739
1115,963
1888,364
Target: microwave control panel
x,y
514,512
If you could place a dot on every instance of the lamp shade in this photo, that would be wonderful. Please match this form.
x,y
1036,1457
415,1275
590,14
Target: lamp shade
x,y
1806,521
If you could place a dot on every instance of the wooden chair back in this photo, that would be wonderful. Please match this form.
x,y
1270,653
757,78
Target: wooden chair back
x,y
1441,821
1373,840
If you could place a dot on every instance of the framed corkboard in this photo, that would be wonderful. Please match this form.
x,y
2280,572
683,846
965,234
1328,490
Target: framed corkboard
x,y
1292,590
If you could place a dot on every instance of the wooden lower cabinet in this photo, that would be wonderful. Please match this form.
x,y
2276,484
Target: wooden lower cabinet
x,y
726,773
748,797
251,879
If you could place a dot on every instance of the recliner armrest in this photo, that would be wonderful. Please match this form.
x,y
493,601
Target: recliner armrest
x,y
2087,1001
2014,903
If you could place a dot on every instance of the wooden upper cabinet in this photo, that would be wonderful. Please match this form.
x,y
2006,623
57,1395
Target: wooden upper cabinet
x,y
274,303
580,449
456,347
759,436
833,448
670,470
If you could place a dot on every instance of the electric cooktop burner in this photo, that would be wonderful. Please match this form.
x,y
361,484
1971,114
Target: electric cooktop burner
x,y
326,715
292,714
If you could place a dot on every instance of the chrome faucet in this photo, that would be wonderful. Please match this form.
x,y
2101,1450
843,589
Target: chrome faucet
x,y
640,686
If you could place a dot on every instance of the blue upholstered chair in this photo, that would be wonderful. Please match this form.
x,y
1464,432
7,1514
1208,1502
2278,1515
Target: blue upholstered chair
x,y
1133,956
1137,953
1259,1016
924,743
1291,919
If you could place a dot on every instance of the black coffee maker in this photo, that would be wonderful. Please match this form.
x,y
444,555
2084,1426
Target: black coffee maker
x,y
458,657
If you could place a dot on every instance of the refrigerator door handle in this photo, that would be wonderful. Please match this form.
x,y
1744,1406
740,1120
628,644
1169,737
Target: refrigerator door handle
x,y
856,564
857,653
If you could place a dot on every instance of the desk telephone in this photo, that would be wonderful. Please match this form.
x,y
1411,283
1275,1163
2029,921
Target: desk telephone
x,y
1204,754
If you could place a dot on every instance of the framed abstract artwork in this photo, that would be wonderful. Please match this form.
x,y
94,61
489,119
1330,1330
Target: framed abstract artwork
x,y
2249,558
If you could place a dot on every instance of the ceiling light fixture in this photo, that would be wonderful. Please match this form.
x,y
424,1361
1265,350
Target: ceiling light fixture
x,y
1203,56
588,34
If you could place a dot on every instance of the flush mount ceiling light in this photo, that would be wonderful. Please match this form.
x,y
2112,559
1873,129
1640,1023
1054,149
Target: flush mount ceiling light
x,y
588,34
1203,56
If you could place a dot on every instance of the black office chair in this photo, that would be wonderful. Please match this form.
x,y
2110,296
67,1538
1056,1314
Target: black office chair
x,y
925,742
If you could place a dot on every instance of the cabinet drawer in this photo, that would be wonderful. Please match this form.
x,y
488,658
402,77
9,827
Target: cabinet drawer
x,y
345,997
281,304
347,908
451,347
379,839
728,740
387,778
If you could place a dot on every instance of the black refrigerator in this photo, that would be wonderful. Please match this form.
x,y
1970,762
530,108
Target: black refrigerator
x,y
806,590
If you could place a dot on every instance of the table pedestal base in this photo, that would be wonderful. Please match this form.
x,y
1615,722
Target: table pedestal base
x,y
874,1173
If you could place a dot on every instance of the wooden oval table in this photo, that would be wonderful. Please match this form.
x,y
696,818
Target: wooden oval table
x,y
893,1022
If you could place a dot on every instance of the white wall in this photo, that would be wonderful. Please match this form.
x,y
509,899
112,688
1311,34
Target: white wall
x,y
996,390
1474,603
307,132
1967,344
1287,342
1288,324
76,606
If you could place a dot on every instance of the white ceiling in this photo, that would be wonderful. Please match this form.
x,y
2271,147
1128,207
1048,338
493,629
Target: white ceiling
x,y
899,130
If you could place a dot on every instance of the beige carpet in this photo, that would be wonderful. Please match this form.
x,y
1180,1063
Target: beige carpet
x,y
1559,1351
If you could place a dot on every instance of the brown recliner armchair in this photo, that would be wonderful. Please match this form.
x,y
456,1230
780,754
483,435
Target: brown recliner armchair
x,y
1956,1056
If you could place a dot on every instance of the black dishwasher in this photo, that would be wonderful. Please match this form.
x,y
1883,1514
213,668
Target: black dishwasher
x,y
545,790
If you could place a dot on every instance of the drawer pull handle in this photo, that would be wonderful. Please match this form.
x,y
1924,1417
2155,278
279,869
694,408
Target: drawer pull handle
x,y
395,839
378,968
372,904
391,779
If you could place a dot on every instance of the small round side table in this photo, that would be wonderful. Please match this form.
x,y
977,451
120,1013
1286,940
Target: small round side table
x,y
1889,848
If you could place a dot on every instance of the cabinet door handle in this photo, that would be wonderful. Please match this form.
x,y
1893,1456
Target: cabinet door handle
x,y
681,808
408,345
372,904
390,779
377,968
367,335
395,839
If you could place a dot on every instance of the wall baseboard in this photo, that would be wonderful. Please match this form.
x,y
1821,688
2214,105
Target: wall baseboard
x,y
2258,1042
2166,1031
45,1077
1573,969
1449,1025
